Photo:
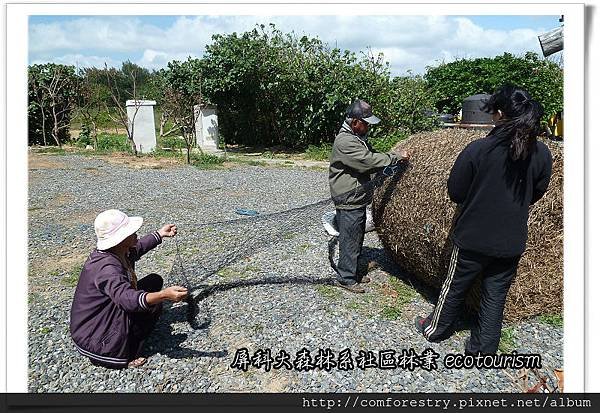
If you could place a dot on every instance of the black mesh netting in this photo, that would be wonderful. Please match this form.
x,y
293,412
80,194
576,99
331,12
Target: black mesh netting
x,y
215,248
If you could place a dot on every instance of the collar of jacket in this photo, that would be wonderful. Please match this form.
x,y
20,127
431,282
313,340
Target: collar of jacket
x,y
112,254
346,128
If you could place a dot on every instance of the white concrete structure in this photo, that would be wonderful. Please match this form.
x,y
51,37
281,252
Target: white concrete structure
x,y
144,132
207,128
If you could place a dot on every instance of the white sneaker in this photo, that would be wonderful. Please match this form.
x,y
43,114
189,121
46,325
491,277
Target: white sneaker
x,y
369,225
328,221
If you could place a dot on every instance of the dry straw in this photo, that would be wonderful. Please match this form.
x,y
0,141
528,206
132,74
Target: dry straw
x,y
414,216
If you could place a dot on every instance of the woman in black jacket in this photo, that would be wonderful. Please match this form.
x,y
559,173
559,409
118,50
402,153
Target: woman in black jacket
x,y
494,180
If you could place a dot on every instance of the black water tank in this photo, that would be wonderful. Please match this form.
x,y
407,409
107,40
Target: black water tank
x,y
471,110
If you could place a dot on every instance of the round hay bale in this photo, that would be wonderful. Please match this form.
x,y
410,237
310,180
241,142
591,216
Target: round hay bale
x,y
414,216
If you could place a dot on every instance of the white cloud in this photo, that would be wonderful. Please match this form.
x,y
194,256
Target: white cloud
x,y
155,59
117,34
79,60
409,42
477,40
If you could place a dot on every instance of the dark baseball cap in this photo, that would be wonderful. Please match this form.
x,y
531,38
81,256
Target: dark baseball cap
x,y
360,109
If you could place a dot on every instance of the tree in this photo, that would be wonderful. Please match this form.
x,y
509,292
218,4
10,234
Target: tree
x,y
37,101
452,82
115,80
159,86
182,82
90,98
275,88
52,91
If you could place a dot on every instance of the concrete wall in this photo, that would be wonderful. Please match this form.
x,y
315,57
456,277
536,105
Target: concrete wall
x,y
207,128
144,132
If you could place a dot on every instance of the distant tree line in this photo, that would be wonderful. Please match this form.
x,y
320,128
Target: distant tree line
x,y
274,88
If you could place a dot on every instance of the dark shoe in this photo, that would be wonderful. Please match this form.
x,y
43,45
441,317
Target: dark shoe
x,y
421,323
366,279
468,351
362,268
355,288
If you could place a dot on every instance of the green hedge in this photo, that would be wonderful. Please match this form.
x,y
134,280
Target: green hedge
x,y
452,82
273,88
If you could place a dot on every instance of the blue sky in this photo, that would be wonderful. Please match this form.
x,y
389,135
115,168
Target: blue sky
x,y
409,43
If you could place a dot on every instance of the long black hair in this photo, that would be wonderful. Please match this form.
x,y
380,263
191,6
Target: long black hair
x,y
520,122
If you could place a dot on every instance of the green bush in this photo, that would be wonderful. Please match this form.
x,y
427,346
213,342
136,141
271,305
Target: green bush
x,y
410,107
274,88
84,138
319,152
106,121
271,88
111,142
206,160
452,82
50,87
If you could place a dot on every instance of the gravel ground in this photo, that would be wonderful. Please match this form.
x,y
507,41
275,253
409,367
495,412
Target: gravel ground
x,y
246,305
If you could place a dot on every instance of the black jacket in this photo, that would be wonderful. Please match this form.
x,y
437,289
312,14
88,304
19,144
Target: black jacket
x,y
494,193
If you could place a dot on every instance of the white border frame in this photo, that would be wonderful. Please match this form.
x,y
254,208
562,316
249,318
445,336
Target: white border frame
x,y
17,55
592,219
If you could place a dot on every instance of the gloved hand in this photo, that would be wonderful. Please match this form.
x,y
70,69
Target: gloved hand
x,y
390,170
403,154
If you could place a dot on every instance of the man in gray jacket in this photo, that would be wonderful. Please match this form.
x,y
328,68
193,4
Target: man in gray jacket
x,y
351,165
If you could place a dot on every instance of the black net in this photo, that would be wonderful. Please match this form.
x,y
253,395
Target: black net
x,y
208,256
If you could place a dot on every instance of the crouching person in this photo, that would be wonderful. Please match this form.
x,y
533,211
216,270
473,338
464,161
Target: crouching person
x,y
112,312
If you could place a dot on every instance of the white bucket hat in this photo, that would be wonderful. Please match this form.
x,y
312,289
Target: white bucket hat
x,y
113,226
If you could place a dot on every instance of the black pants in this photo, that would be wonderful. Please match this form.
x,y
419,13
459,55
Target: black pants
x,y
465,266
351,226
143,323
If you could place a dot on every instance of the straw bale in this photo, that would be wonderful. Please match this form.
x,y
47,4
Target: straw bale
x,y
414,215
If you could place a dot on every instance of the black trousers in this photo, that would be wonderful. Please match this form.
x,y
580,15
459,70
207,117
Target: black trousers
x,y
351,226
496,277
143,323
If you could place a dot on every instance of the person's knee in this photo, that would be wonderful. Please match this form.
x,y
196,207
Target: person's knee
x,y
155,282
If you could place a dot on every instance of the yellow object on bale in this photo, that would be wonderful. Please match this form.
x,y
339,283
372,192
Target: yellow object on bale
x,y
557,125
413,215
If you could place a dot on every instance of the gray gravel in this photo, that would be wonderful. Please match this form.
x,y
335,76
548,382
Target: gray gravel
x,y
247,309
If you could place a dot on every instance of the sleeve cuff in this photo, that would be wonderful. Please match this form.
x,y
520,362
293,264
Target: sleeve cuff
x,y
157,237
142,301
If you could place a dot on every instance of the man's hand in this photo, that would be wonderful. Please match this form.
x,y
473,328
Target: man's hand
x,y
169,230
403,154
175,293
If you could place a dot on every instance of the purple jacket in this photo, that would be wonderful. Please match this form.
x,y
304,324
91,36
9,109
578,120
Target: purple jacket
x,y
103,301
